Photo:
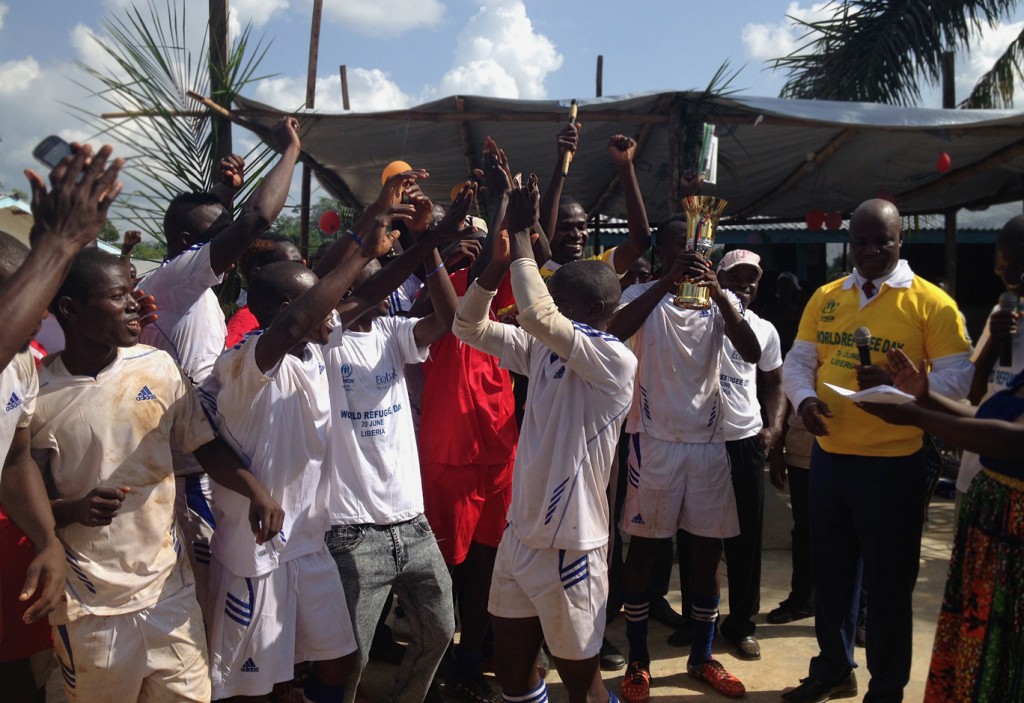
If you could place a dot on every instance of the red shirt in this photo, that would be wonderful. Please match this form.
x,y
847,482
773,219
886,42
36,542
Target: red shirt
x,y
241,323
468,411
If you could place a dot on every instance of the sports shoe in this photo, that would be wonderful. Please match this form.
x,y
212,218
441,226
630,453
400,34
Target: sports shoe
x,y
715,674
636,684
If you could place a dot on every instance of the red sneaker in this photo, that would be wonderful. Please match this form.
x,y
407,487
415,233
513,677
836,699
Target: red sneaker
x,y
636,684
715,674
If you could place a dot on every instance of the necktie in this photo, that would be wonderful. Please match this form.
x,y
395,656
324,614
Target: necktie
x,y
869,289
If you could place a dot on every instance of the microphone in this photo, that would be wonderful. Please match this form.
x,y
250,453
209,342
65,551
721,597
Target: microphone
x,y
1007,301
862,338
567,159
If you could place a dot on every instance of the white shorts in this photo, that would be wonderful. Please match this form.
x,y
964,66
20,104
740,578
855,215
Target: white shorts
x,y
193,501
566,589
154,654
264,625
675,485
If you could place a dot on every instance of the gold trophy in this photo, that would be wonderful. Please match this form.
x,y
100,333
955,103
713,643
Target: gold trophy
x,y
702,213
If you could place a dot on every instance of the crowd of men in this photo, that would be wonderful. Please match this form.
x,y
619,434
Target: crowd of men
x,y
434,413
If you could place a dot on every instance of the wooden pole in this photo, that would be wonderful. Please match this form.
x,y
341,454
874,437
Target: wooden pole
x,y
307,174
600,75
949,102
344,87
219,125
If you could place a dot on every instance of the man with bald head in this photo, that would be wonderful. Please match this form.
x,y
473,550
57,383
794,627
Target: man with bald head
x,y
867,478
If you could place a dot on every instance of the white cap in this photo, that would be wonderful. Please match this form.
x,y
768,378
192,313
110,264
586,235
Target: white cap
x,y
740,257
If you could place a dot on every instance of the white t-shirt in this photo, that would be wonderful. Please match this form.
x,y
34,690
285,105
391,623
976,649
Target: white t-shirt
x,y
738,379
678,397
115,430
401,299
19,386
375,468
190,324
277,423
574,409
998,378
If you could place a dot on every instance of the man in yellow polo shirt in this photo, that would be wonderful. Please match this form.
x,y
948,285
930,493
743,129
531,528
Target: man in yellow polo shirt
x,y
867,477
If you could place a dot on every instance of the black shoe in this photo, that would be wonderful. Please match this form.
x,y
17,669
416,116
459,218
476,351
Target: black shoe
x,y
472,689
681,637
746,647
812,690
661,611
611,657
788,612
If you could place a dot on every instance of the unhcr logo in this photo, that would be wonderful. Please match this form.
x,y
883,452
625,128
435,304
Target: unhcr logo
x,y
828,310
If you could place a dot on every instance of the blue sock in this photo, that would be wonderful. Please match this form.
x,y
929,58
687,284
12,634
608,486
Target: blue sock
x,y
317,692
703,614
537,695
637,610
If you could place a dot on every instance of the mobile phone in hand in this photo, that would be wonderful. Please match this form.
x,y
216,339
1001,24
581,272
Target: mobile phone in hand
x,y
52,150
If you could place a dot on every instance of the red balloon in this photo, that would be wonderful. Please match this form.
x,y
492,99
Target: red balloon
x,y
944,162
834,220
815,219
330,222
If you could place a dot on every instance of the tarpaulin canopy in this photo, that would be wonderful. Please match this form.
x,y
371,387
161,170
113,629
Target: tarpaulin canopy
x,y
778,158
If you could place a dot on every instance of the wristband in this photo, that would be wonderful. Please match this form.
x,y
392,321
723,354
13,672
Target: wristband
x,y
355,236
439,267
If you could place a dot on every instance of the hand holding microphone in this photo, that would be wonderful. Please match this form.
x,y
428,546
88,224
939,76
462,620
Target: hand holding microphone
x,y
868,375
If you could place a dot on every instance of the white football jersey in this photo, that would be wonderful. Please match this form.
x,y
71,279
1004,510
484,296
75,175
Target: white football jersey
x,y
738,379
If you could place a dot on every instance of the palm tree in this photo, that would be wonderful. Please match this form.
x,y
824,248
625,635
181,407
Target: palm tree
x,y
169,136
881,51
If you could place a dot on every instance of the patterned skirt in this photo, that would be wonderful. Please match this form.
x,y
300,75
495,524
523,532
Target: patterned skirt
x,y
979,644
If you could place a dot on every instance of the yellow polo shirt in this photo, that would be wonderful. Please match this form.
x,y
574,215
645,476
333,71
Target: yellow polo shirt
x,y
920,319
549,268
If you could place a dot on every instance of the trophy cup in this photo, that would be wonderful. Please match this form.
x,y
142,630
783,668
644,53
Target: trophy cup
x,y
702,213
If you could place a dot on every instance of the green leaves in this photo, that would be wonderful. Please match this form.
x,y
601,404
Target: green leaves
x,y
879,50
149,67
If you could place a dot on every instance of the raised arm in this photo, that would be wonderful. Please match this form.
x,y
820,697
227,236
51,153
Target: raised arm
x,y
264,203
66,218
622,150
568,139
438,322
630,317
298,320
737,329
232,176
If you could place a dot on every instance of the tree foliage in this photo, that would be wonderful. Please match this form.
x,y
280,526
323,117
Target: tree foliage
x,y
881,50
169,138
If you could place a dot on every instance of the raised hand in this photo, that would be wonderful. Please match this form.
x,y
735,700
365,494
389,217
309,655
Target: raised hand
x,y
232,171
690,183
688,266
99,507
73,210
147,307
523,210
462,249
131,240
496,175
907,377
622,149
396,186
286,134
453,224
568,140
423,210
382,236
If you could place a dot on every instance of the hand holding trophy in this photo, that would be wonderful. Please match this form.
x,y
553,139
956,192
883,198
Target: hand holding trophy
x,y
702,213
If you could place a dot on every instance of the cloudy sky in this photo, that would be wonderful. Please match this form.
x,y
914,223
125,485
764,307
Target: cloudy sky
x,y
404,52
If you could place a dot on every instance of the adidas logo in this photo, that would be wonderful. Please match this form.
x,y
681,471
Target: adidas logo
x,y
250,666
145,394
638,520
322,367
14,402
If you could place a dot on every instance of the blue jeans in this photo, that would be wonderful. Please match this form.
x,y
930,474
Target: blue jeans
x,y
373,560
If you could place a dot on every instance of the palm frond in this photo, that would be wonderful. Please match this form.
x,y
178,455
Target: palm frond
x,y
152,69
880,50
995,88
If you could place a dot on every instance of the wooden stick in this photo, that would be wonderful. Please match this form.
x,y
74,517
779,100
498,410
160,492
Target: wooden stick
x,y
567,159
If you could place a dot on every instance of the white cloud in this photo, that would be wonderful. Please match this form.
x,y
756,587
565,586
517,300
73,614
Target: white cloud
x,y
378,18
987,45
498,53
258,12
765,42
369,90
3,13
18,75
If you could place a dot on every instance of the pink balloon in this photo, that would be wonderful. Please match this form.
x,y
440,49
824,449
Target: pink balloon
x,y
330,222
